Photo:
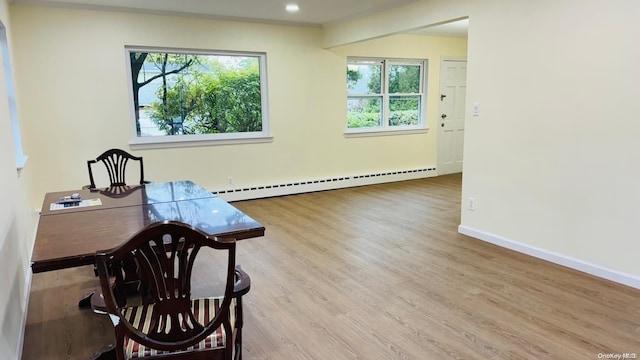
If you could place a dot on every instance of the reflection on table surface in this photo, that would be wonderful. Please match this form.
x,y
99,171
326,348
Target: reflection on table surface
x,y
211,215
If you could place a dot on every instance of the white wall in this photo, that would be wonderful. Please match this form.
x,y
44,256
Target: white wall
x,y
552,160
17,226
78,103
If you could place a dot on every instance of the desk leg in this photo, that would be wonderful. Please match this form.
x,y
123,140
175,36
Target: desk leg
x,y
108,352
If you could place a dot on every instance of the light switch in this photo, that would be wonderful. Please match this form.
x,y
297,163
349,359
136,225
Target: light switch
x,y
476,109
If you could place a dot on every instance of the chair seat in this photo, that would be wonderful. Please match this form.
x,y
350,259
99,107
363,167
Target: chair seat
x,y
204,310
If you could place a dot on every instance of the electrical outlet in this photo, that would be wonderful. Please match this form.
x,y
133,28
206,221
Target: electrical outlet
x,y
472,204
230,180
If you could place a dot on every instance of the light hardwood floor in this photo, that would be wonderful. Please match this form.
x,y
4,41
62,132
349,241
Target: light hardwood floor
x,y
379,272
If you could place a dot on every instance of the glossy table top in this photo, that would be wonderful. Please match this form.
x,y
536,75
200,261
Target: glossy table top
x,y
70,237
130,195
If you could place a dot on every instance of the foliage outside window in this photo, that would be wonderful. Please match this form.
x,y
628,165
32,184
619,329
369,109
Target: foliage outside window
x,y
385,95
195,95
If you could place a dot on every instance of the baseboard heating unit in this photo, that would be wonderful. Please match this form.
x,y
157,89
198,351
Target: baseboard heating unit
x,y
298,187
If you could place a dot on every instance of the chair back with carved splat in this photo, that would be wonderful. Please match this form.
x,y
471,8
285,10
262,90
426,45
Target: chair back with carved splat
x,y
163,320
115,161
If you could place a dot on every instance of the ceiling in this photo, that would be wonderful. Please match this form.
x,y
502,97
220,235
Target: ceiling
x,y
311,13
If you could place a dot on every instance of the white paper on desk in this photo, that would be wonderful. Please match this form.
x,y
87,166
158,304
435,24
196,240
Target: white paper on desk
x,y
82,203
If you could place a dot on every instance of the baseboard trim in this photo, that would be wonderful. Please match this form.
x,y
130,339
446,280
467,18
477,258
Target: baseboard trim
x,y
27,288
567,261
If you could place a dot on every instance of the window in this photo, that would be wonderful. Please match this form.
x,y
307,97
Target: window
x,y
21,159
183,96
385,95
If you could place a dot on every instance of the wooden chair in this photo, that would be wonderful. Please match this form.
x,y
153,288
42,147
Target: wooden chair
x,y
115,160
116,192
165,322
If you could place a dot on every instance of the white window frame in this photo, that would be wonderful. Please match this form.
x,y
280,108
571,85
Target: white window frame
x,y
168,141
21,158
385,128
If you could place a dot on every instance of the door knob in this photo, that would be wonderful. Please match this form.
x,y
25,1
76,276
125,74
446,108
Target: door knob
x,y
444,116
442,125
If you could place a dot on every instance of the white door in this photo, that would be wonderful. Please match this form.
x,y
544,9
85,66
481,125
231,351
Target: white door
x,y
453,88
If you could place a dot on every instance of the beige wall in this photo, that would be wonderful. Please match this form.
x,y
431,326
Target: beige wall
x,y
552,160
401,19
17,226
78,101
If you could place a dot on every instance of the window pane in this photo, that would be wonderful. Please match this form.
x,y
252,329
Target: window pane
x,y
364,79
404,110
404,79
183,94
386,94
364,112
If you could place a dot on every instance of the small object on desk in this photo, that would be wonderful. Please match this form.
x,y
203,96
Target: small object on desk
x,y
69,199
66,202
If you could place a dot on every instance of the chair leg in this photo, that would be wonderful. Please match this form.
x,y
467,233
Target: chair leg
x,y
238,345
85,300
239,324
108,352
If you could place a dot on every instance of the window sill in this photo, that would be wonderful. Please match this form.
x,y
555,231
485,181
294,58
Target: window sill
x,y
353,133
21,162
164,142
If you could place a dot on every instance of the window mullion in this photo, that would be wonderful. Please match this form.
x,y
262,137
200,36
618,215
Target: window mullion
x,y
385,94
406,77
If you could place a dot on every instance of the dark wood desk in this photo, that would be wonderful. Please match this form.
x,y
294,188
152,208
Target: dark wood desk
x,y
130,195
70,237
